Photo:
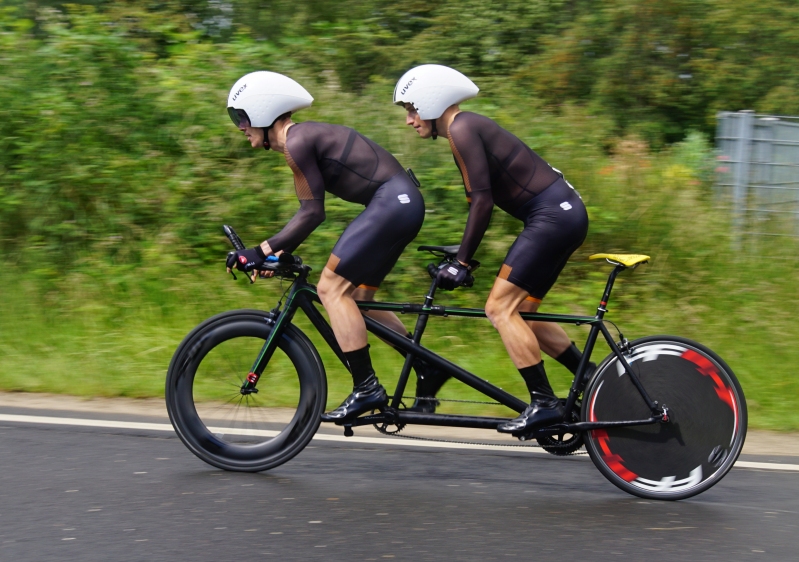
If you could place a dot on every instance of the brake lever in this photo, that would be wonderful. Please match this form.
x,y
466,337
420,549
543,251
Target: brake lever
x,y
272,258
230,264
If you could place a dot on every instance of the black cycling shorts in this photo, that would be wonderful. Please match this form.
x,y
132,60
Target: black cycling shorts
x,y
372,243
555,226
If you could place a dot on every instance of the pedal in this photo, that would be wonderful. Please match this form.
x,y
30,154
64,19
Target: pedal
x,y
348,432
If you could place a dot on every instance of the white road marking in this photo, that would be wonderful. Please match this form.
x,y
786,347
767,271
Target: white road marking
x,y
111,424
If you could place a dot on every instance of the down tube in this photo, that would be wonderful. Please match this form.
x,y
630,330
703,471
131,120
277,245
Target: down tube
x,y
435,360
306,303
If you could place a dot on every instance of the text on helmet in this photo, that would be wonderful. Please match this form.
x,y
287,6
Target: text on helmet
x,y
408,85
240,90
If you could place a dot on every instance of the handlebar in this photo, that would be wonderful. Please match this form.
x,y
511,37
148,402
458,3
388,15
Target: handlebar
x,y
285,262
233,237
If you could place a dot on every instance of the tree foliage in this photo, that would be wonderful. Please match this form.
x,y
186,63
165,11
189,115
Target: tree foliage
x,y
115,146
656,67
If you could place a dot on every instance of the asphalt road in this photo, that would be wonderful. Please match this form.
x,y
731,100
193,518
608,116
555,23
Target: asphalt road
x,y
112,494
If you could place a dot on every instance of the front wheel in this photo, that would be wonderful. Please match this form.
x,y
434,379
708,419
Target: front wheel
x,y
238,431
680,458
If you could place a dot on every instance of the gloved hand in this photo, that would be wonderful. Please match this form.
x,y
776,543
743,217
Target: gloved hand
x,y
452,275
246,260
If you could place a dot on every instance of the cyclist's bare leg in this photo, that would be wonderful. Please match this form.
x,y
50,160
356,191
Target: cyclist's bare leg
x,y
502,310
554,341
552,338
336,294
429,379
348,326
386,318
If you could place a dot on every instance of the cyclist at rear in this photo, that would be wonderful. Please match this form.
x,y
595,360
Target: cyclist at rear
x,y
499,169
341,161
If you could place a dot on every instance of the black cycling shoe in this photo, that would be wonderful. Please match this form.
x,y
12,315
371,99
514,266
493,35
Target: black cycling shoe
x,y
369,395
428,382
542,411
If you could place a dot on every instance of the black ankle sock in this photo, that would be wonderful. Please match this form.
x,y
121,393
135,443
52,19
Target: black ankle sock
x,y
537,383
360,365
570,358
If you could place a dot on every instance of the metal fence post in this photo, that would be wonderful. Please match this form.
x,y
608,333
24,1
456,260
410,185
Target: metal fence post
x,y
741,176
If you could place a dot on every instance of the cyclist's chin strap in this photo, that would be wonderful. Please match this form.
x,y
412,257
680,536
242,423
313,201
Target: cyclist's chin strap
x,y
435,129
266,135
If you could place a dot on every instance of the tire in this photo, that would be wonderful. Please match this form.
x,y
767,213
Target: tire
x,y
680,458
246,433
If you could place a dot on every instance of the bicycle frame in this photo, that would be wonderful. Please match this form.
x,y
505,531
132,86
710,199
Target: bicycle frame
x,y
302,295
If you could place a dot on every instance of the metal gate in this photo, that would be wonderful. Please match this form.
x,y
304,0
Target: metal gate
x,y
758,173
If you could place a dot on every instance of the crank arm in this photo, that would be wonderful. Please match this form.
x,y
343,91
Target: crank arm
x,y
383,417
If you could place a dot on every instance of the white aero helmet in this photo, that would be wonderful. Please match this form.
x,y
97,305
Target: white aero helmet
x,y
264,96
432,88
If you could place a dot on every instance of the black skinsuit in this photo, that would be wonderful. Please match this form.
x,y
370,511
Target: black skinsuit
x,y
499,169
341,161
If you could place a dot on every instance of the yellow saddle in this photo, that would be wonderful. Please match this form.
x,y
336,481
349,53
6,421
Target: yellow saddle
x,y
627,260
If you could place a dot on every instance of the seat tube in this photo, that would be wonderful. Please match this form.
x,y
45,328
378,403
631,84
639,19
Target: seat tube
x,y
578,382
579,379
418,331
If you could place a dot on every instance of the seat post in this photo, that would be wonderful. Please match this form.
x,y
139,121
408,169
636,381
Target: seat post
x,y
601,310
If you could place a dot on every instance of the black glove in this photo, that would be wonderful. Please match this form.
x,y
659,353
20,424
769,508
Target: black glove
x,y
246,260
452,275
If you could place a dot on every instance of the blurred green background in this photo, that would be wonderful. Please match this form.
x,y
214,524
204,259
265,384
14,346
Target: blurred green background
x,y
118,166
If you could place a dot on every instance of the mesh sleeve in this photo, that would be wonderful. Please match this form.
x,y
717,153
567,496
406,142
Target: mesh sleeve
x,y
310,215
470,156
309,184
479,216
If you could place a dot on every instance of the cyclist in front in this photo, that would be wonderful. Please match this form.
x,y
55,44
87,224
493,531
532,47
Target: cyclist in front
x,y
499,169
341,161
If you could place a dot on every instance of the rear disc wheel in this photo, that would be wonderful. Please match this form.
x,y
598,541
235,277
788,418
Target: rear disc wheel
x,y
688,454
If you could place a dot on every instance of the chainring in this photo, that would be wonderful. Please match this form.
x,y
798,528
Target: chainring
x,y
563,444
386,428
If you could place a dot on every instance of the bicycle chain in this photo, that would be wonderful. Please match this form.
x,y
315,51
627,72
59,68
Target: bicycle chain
x,y
450,400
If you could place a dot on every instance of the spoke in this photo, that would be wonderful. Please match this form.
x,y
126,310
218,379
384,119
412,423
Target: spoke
x,y
230,358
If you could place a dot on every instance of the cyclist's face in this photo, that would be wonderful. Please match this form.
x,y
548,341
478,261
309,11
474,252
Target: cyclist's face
x,y
254,134
422,127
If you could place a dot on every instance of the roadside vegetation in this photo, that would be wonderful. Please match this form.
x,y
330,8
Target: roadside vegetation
x,y
118,166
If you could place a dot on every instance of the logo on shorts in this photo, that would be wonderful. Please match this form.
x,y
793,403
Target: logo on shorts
x,y
565,206
403,198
